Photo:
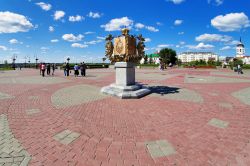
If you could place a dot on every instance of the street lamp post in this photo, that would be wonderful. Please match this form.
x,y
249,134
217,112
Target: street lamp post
x,y
13,61
68,59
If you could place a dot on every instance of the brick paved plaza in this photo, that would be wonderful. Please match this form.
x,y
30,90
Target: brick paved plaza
x,y
193,117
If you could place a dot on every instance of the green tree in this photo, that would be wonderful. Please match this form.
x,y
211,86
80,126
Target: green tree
x,y
150,59
168,55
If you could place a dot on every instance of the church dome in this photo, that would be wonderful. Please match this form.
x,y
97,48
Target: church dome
x,y
240,45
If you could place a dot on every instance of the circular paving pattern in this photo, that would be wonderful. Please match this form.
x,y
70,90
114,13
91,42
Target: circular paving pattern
x,y
76,95
33,80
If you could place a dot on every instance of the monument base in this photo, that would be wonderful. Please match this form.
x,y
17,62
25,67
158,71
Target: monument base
x,y
125,87
125,92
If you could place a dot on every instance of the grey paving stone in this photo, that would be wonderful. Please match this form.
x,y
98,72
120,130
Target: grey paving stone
x,y
11,151
211,79
218,123
5,96
160,148
243,95
226,105
66,137
33,97
76,95
32,111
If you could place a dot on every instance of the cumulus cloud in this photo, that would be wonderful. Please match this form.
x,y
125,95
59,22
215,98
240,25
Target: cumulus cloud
x,y
51,29
101,38
230,22
93,42
3,48
72,38
147,40
180,33
59,14
14,41
54,40
44,6
200,46
76,18
213,38
117,24
225,48
176,1
178,22
78,45
139,25
89,32
94,15
164,45
159,23
152,29
12,23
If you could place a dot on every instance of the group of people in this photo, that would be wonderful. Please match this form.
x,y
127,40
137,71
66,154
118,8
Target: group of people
x,y
82,67
43,67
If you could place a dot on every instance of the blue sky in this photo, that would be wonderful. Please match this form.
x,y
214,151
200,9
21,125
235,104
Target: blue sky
x,y
54,30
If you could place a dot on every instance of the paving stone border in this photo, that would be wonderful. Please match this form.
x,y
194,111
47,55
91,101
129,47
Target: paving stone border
x,y
66,137
32,111
11,151
5,96
243,95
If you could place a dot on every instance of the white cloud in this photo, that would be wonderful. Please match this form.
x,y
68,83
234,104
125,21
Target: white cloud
x,y
3,48
178,22
213,38
147,40
54,40
44,6
182,43
94,15
51,29
78,45
164,45
180,33
89,32
139,25
159,23
230,22
117,24
15,41
72,38
152,29
59,14
101,38
12,23
76,18
93,42
200,46
217,2
176,1
225,48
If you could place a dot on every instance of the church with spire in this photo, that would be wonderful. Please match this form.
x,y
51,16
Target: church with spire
x,y
241,53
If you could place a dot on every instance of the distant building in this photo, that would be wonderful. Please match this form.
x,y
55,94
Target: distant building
x,y
240,53
155,58
196,56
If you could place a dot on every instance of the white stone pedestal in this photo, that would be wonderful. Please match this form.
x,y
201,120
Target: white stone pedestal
x,y
125,86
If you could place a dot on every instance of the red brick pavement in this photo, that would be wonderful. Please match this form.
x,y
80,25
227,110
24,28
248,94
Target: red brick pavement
x,y
114,131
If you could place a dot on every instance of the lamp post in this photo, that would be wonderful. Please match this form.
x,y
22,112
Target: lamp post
x,y
36,61
68,59
13,61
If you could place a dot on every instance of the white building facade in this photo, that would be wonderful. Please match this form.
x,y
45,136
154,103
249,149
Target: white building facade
x,y
196,56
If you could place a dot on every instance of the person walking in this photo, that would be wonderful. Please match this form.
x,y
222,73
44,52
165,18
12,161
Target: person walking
x,y
76,70
64,69
48,69
53,68
239,69
43,69
40,67
67,68
83,69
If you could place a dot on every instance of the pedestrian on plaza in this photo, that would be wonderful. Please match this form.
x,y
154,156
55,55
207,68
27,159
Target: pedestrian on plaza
x,y
53,68
20,67
76,70
67,68
239,69
83,69
43,69
48,69
64,69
